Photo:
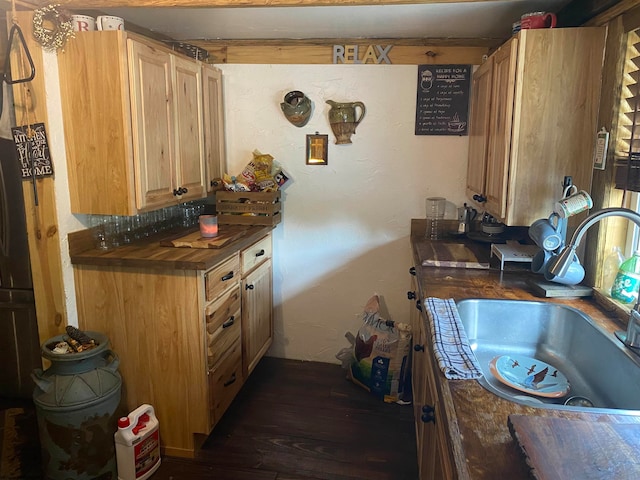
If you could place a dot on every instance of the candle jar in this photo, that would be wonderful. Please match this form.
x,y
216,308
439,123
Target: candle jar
x,y
208,225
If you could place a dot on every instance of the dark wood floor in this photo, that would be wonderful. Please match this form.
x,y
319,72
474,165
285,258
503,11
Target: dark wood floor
x,y
303,421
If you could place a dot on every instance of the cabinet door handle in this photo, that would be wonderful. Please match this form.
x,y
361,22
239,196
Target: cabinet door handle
x,y
428,414
176,192
226,277
411,295
229,322
418,348
233,379
214,183
412,271
480,198
185,190
248,286
260,253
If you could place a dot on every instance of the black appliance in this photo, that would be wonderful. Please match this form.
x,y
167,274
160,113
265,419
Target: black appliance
x,y
19,343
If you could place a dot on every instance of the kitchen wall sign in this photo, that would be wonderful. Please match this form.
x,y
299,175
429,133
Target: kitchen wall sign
x,y
358,54
442,105
32,149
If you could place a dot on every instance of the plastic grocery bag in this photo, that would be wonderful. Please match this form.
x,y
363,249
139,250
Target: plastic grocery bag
x,y
379,358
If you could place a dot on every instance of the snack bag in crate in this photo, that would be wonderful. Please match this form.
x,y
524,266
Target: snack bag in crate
x,y
381,354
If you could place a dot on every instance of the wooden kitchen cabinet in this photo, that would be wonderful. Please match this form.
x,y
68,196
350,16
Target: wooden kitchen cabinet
x,y
214,144
479,127
537,124
257,303
183,336
434,456
133,113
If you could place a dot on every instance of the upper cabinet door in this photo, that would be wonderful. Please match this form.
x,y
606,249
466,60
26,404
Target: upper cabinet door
x,y
190,175
214,141
479,129
501,120
152,118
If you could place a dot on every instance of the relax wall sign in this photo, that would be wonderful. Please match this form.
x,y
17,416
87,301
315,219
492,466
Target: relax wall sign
x,y
361,54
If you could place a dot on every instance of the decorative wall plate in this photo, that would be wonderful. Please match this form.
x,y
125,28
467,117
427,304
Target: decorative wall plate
x,y
530,375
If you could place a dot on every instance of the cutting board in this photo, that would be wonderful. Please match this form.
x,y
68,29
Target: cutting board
x,y
558,448
226,235
453,254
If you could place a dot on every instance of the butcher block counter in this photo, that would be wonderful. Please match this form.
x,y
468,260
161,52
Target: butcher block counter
x,y
479,443
151,253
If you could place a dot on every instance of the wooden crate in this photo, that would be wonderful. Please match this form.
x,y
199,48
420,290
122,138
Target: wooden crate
x,y
248,208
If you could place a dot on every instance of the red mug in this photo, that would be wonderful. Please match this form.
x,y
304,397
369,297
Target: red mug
x,y
538,20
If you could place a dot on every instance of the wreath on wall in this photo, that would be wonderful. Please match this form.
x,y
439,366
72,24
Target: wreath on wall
x,y
51,27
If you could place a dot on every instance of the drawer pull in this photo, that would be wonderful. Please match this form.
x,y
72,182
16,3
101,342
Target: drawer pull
x,y
229,322
418,348
248,287
226,277
233,379
411,295
260,253
428,414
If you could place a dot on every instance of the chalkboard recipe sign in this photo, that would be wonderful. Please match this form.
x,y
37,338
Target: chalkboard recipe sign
x,y
442,106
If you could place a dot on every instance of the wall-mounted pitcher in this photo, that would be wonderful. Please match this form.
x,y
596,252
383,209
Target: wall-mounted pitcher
x,y
343,120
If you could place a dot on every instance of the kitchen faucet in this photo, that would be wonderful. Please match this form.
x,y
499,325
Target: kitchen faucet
x,y
559,265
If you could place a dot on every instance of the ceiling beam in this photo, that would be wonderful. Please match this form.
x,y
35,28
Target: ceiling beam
x,y
7,5
90,4
303,52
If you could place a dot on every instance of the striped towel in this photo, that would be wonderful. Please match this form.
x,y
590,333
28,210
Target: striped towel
x,y
455,357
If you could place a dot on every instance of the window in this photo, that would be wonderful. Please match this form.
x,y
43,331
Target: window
x,y
627,142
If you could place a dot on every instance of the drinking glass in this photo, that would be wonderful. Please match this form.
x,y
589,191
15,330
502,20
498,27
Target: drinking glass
x,y
99,236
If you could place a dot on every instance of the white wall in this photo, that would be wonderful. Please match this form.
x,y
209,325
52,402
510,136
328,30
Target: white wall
x,y
345,229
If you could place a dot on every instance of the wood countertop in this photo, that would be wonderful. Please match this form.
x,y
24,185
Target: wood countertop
x,y
482,445
149,253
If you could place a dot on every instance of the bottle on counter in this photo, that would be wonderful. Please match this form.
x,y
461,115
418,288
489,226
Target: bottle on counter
x,y
611,265
625,286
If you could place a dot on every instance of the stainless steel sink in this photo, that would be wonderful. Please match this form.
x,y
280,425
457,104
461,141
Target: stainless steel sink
x,y
597,365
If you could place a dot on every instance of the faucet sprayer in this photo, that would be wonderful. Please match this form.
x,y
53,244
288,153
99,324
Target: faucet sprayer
x,y
560,264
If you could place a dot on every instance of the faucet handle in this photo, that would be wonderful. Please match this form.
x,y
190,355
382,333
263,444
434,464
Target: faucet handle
x,y
632,336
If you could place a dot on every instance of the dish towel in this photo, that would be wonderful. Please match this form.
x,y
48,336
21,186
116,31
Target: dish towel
x,y
451,346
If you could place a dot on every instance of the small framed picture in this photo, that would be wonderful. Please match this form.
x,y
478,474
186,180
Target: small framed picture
x,y
317,146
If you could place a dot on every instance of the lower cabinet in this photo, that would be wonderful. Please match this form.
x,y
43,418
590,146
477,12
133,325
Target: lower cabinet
x,y
257,302
434,457
186,339
257,318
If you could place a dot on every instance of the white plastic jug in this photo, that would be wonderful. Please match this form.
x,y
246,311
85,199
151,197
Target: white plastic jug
x,y
138,444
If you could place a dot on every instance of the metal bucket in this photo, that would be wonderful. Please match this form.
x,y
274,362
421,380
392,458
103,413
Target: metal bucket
x,y
77,402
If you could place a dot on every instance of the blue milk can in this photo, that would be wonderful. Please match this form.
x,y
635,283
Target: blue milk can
x,y
77,400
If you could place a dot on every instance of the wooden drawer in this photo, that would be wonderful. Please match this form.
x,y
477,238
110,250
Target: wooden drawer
x,y
223,326
221,277
225,382
254,255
